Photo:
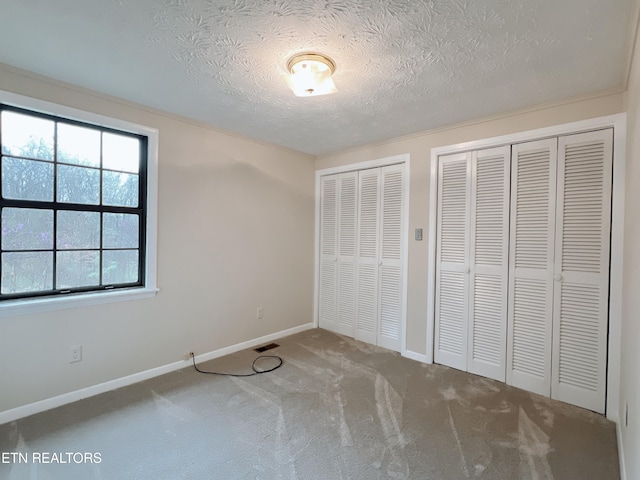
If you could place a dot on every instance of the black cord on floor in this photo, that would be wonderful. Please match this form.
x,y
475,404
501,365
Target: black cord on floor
x,y
253,367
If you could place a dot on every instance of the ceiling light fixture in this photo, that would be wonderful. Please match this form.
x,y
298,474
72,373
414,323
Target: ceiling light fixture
x,y
310,74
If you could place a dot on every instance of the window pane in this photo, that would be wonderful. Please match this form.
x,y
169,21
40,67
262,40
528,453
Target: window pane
x,y
78,230
78,145
78,185
77,269
120,230
120,152
119,189
27,229
27,272
87,178
26,136
27,179
119,266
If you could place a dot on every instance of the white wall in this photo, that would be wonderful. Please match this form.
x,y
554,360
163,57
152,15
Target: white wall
x,y
630,352
419,147
235,231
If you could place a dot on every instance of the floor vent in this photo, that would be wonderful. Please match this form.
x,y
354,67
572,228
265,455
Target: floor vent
x,y
264,348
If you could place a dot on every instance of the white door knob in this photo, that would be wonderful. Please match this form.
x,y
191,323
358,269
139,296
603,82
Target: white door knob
x,y
380,263
467,270
557,277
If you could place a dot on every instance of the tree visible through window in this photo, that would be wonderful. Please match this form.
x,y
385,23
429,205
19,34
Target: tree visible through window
x,y
72,198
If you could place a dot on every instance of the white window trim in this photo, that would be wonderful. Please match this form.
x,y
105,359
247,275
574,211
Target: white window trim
x,y
619,124
45,304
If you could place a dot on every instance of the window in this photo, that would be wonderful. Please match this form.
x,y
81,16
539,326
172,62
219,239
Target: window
x,y
73,204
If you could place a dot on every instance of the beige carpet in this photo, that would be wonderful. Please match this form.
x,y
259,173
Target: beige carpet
x,y
337,409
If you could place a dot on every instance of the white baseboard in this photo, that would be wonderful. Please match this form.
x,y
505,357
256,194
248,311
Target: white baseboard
x,y
57,401
418,357
623,470
251,343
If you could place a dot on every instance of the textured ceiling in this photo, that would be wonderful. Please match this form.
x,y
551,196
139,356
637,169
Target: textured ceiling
x,y
402,66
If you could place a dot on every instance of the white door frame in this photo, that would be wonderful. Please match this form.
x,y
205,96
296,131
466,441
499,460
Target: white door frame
x,y
381,162
619,124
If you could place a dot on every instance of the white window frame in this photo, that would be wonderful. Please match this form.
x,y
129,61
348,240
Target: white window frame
x,y
619,124
26,306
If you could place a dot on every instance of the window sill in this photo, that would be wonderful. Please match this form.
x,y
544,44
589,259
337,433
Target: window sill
x,y
24,307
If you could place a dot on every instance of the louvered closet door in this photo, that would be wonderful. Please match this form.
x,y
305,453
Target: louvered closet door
x,y
346,275
533,180
452,262
391,236
368,247
582,269
489,262
327,314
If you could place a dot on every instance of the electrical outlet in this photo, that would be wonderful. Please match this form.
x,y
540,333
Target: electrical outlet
x,y
75,353
188,355
259,313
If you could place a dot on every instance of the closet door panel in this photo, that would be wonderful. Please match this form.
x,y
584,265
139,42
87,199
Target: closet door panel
x,y
391,236
346,298
389,328
368,246
327,304
533,180
582,269
452,262
489,260
346,274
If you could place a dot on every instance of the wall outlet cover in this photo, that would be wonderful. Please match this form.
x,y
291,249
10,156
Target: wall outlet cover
x,y
75,353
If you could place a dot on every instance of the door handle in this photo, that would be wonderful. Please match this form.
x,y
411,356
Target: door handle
x,y
557,277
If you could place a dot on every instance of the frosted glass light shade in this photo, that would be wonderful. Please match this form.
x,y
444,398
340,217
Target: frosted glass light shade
x,y
310,74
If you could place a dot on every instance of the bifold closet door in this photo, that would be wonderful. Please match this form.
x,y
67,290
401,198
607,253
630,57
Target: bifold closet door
x,y
327,301
489,262
390,257
368,248
361,251
522,286
472,261
338,216
581,281
346,269
379,250
533,193
452,260
559,267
